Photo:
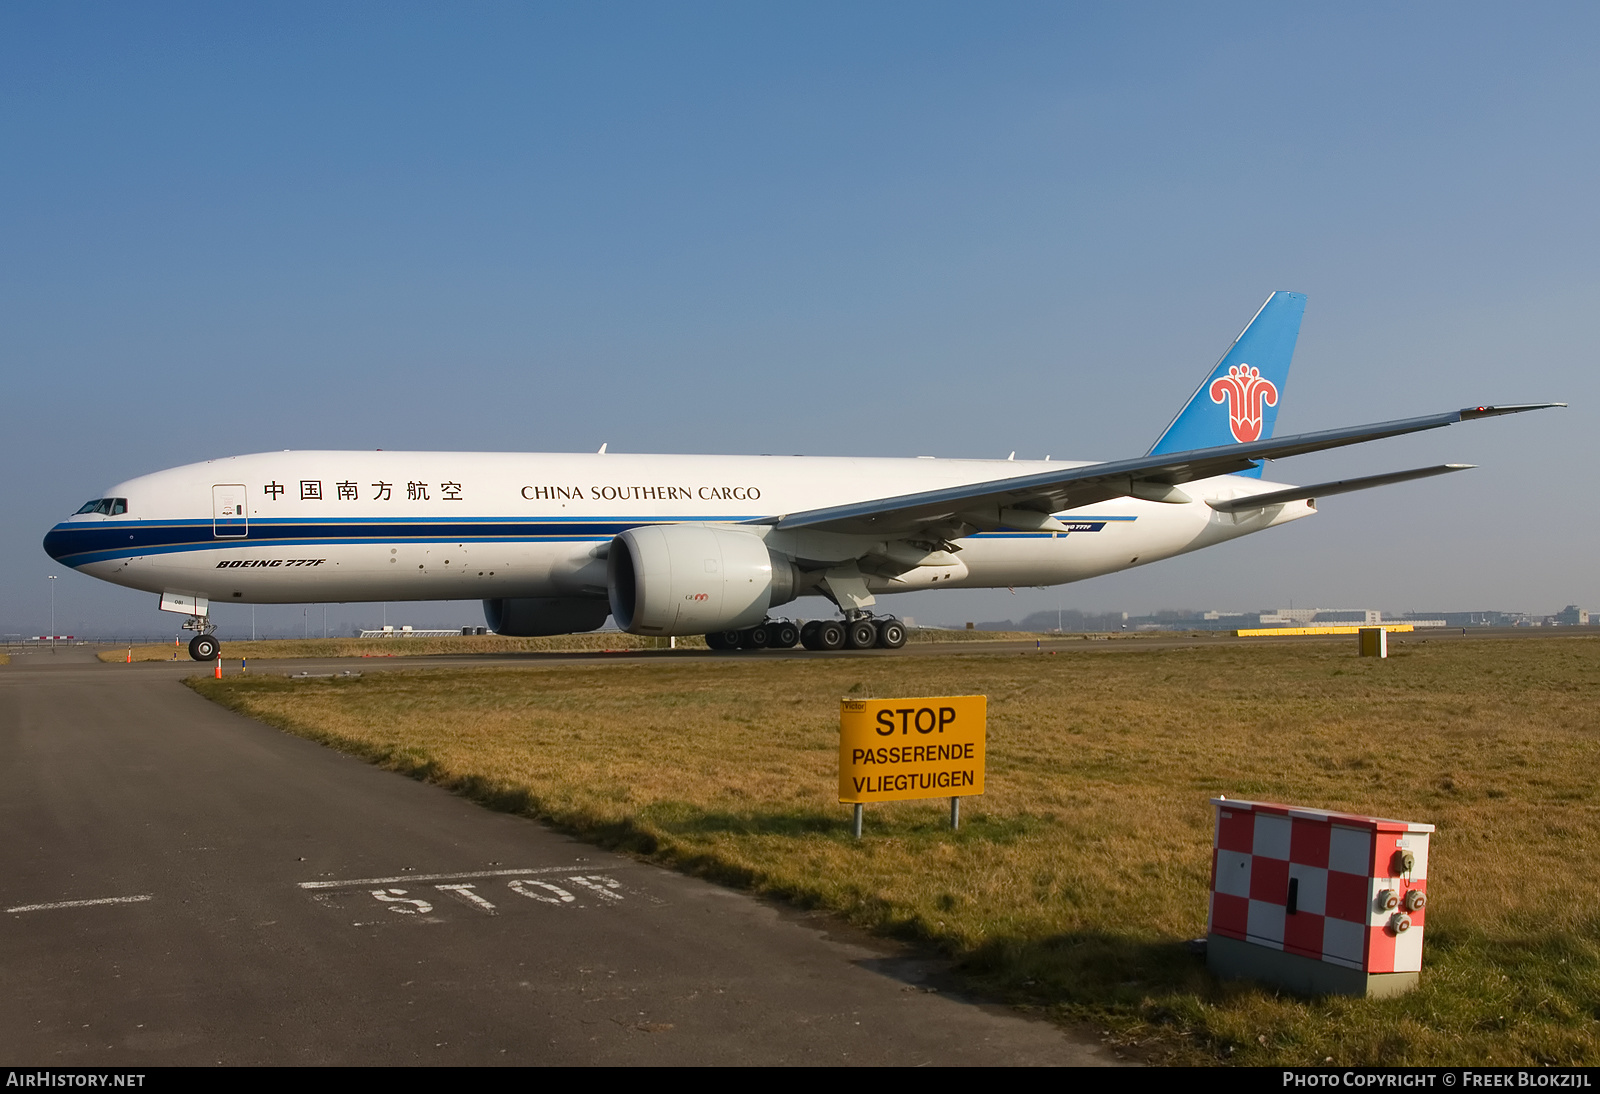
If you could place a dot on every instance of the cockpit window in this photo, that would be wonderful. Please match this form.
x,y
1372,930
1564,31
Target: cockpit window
x,y
109,507
119,506
89,506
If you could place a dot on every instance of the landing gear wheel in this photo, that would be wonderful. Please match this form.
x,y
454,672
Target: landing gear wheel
x,y
202,647
722,640
891,634
782,636
754,638
825,634
862,634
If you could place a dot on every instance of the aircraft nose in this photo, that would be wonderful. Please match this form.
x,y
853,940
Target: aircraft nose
x,y
57,543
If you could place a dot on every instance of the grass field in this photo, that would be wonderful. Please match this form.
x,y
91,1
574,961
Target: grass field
x,y
1076,880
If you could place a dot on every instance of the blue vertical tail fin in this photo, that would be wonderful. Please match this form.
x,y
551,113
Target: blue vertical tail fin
x,y
1238,400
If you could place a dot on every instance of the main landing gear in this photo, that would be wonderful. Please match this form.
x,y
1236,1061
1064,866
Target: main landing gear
x,y
774,634
861,633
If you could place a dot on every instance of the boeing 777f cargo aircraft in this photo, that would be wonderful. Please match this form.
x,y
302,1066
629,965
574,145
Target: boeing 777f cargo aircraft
x,y
672,545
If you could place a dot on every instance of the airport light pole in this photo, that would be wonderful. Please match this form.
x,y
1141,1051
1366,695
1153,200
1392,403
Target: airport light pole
x,y
52,610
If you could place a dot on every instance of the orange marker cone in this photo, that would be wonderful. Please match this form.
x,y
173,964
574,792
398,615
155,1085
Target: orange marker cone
x,y
130,655
218,673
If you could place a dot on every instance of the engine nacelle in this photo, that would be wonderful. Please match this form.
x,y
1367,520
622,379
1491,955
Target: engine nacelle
x,y
694,579
533,617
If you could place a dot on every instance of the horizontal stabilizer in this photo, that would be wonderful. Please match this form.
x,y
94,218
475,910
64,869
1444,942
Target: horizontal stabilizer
x,y
1323,489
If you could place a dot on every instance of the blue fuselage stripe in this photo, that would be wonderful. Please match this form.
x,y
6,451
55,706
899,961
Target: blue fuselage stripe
x,y
82,543
78,544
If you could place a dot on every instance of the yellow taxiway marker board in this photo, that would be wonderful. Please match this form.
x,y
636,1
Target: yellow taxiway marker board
x,y
900,749
1274,632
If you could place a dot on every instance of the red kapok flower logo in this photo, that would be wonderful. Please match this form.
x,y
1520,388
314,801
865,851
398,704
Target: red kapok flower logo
x,y
1246,393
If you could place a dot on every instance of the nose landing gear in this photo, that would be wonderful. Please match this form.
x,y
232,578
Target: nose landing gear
x,y
204,645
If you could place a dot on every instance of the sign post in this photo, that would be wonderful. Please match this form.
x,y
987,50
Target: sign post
x,y
905,749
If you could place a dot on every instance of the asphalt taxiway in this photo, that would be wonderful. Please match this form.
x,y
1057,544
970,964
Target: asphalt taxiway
x,y
180,885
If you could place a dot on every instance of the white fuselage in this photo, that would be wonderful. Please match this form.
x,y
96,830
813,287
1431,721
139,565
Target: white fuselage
x,y
365,526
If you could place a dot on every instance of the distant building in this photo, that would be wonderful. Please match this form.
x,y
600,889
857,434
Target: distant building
x,y
1348,615
1289,617
1187,619
1478,619
1311,617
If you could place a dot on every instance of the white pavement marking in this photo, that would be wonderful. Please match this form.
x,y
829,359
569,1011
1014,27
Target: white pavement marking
x,y
560,895
80,903
357,883
466,892
421,907
599,885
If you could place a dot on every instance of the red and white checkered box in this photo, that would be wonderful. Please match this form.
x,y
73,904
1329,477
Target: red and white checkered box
x,y
1347,890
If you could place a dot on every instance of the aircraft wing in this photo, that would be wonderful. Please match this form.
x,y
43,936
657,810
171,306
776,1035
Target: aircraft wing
x,y
1026,502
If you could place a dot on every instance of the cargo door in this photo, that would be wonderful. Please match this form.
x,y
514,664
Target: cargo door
x,y
229,520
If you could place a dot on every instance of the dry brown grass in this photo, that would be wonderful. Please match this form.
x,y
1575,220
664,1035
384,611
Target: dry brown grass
x,y
1075,881
930,636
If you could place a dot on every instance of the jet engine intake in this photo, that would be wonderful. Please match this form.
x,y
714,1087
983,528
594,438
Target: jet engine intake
x,y
694,579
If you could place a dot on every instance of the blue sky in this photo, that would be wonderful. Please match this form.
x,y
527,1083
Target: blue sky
x,y
883,229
